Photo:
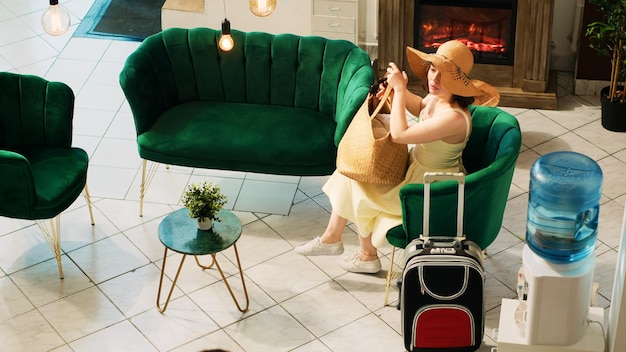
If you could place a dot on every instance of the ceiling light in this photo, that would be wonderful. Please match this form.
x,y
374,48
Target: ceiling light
x,y
262,8
226,42
55,21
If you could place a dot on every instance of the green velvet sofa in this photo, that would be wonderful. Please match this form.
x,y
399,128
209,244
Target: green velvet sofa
x,y
275,104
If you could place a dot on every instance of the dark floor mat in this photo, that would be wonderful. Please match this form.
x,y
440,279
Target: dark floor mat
x,y
122,19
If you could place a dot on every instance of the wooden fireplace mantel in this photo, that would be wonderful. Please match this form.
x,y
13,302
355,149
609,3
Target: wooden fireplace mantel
x,y
526,84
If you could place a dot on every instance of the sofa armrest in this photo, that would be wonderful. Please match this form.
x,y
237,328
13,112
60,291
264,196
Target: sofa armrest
x,y
148,83
354,85
17,186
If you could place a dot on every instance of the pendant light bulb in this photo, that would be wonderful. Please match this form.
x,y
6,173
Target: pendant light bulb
x,y
262,8
226,42
55,21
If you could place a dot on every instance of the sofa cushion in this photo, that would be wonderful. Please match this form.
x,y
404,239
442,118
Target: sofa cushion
x,y
242,136
60,175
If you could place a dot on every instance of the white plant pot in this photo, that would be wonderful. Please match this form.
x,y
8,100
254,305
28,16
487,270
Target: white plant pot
x,y
205,225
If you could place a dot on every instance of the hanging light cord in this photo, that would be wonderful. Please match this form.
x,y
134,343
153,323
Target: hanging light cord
x,y
224,2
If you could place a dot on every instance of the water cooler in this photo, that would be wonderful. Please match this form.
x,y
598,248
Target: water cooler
x,y
557,305
553,311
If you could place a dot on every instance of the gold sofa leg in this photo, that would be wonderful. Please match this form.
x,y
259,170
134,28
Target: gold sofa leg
x,y
88,199
147,174
390,275
52,234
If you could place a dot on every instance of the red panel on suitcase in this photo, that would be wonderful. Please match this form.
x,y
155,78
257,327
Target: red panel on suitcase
x,y
443,327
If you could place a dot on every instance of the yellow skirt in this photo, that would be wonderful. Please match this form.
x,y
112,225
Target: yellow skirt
x,y
374,209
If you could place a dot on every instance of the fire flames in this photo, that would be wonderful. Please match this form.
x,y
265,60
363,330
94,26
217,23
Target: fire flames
x,y
482,30
472,35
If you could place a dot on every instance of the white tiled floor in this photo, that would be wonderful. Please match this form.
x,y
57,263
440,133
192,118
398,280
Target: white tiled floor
x,y
107,299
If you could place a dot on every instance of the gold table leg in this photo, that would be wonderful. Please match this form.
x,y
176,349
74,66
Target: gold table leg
x,y
243,283
169,295
204,266
213,262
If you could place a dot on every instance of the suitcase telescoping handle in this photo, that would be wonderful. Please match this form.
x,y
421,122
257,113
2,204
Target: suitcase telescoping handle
x,y
430,177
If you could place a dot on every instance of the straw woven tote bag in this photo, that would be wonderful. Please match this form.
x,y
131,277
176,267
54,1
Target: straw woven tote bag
x,y
366,152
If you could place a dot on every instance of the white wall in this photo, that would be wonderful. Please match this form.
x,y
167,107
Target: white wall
x,y
617,313
369,21
290,16
566,32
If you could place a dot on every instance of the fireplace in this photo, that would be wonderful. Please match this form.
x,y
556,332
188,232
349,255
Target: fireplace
x,y
486,27
519,69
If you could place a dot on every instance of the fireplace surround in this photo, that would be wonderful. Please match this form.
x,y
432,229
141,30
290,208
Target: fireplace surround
x,y
524,81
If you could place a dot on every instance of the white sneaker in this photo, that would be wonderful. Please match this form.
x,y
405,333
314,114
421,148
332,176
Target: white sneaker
x,y
354,264
316,247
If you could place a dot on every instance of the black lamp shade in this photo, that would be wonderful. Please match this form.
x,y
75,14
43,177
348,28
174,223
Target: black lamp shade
x,y
225,27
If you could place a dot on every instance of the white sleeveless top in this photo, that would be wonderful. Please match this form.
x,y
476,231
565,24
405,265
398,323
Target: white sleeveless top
x,y
442,155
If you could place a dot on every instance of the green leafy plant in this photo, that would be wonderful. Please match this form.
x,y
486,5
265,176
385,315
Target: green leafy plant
x,y
608,38
204,201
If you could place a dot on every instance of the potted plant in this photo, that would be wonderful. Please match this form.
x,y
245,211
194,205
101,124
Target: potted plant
x,y
204,202
608,38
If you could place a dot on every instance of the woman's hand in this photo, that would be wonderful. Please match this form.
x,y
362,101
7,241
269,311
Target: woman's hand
x,y
396,79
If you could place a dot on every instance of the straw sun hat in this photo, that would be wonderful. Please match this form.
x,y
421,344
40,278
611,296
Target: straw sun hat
x,y
454,60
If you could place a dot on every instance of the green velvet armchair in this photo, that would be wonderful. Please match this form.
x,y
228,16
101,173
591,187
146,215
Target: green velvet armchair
x,y
489,157
42,174
274,104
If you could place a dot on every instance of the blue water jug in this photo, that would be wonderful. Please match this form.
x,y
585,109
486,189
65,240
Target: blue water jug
x,y
563,206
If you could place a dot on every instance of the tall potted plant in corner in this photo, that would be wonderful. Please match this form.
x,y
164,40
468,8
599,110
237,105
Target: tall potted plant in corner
x,y
608,38
204,201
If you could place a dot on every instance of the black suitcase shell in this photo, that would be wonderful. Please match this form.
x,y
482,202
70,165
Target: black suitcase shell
x,y
442,275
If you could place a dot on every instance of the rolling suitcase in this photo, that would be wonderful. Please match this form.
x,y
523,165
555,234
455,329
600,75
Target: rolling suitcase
x,y
441,292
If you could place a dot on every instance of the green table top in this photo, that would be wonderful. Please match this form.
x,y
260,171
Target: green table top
x,y
180,233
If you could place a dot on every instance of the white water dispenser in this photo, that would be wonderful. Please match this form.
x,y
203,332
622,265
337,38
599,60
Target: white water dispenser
x,y
558,260
557,305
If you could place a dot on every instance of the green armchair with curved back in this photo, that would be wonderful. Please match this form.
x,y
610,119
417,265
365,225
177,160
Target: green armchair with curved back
x,y
489,158
42,174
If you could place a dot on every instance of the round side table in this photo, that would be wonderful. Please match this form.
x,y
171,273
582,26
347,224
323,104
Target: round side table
x,y
180,233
